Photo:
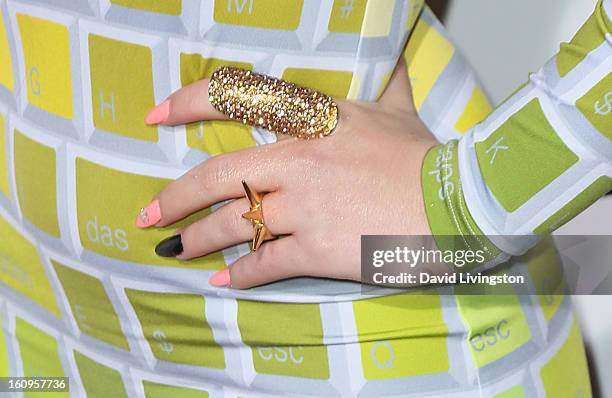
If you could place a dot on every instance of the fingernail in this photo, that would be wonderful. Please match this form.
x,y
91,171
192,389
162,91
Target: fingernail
x,y
170,247
220,278
149,215
159,114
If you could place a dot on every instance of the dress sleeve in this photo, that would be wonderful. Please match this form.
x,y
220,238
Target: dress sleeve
x,y
538,160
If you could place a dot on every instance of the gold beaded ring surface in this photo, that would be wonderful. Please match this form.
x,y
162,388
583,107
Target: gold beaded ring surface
x,y
255,216
274,104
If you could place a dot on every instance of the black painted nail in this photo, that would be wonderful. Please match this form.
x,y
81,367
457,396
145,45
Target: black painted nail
x,y
169,247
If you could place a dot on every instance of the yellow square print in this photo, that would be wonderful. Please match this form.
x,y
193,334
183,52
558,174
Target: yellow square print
x,y
114,80
378,16
546,269
99,380
6,63
39,355
298,349
477,108
497,326
347,16
401,335
35,176
514,392
170,7
4,173
92,309
566,374
4,355
22,269
427,55
176,328
270,14
46,52
158,390
108,201
596,106
414,11
213,137
336,83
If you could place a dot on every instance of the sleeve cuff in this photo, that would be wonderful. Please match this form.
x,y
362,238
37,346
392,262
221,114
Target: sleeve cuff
x,y
449,219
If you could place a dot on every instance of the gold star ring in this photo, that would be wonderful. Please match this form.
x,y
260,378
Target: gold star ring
x,y
255,216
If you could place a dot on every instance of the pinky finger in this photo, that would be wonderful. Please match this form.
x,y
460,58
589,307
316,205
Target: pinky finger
x,y
273,261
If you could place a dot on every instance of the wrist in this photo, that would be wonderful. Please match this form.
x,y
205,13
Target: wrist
x,y
446,211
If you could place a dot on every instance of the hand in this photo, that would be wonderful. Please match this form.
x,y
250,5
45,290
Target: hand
x,y
322,194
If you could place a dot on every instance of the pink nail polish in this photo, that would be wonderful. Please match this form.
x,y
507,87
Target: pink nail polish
x,y
221,278
159,114
149,215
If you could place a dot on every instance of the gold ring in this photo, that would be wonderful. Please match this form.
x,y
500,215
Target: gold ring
x,y
274,104
255,216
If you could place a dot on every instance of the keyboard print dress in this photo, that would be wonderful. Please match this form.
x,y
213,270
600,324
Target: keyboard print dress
x,y
83,295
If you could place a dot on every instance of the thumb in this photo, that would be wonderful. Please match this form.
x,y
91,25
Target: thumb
x,y
273,261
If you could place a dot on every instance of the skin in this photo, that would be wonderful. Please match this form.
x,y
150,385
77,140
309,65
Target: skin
x,y
322,195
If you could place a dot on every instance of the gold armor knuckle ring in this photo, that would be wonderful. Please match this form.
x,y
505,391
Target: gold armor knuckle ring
x,y
255,216
274,104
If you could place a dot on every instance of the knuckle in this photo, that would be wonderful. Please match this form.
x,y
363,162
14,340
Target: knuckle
x,y
249,273
282,260
304,158
265,272
230,221
266,261
212,171
269,263
348,113
270,209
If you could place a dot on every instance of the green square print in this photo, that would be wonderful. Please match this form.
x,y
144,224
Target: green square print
x,y
522,156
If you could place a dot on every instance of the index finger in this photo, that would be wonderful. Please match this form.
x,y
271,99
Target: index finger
x,y
186,105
